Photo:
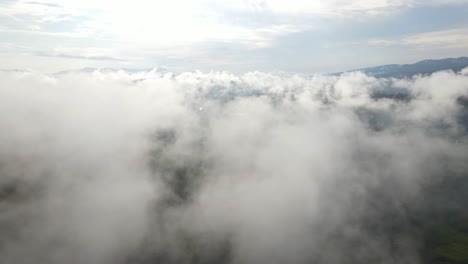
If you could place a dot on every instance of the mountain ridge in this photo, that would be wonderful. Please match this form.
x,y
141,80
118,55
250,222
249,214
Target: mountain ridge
x,y
423,67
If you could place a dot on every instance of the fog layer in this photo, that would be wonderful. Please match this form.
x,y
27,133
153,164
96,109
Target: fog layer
x,y
115,167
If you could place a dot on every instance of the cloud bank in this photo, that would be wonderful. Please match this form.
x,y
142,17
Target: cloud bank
x,y
116,167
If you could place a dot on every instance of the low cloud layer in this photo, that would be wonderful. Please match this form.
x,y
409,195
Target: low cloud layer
x,y
112,167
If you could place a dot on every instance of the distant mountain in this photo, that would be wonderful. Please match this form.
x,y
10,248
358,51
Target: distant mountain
x,y
424,67
408,70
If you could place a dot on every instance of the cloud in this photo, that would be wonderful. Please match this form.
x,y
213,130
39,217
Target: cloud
x,y
332,8
70,56
162,24
381,42
44,4
116,167
140,31
452,38
447,38
148,26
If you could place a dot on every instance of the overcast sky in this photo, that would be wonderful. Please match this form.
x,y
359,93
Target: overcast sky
x,y
232,35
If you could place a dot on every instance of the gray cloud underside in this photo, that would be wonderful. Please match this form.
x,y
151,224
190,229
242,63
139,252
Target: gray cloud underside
x,y
220,168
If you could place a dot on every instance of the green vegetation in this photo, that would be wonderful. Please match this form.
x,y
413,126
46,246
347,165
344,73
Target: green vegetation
x,y
448,244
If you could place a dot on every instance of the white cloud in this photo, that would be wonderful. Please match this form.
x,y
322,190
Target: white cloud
x,y
452,38
381,42
117,166
157,24
139,31
446,38
166,24
334,7
331,7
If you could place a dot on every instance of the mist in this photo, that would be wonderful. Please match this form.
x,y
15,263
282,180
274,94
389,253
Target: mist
x,y
136,168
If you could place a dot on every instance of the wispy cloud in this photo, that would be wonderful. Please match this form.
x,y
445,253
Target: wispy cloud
x,y
446,38
181,28
44,4
332,7
71,56
453,38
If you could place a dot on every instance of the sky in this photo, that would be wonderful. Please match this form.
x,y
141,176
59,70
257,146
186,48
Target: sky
x,y
229,35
